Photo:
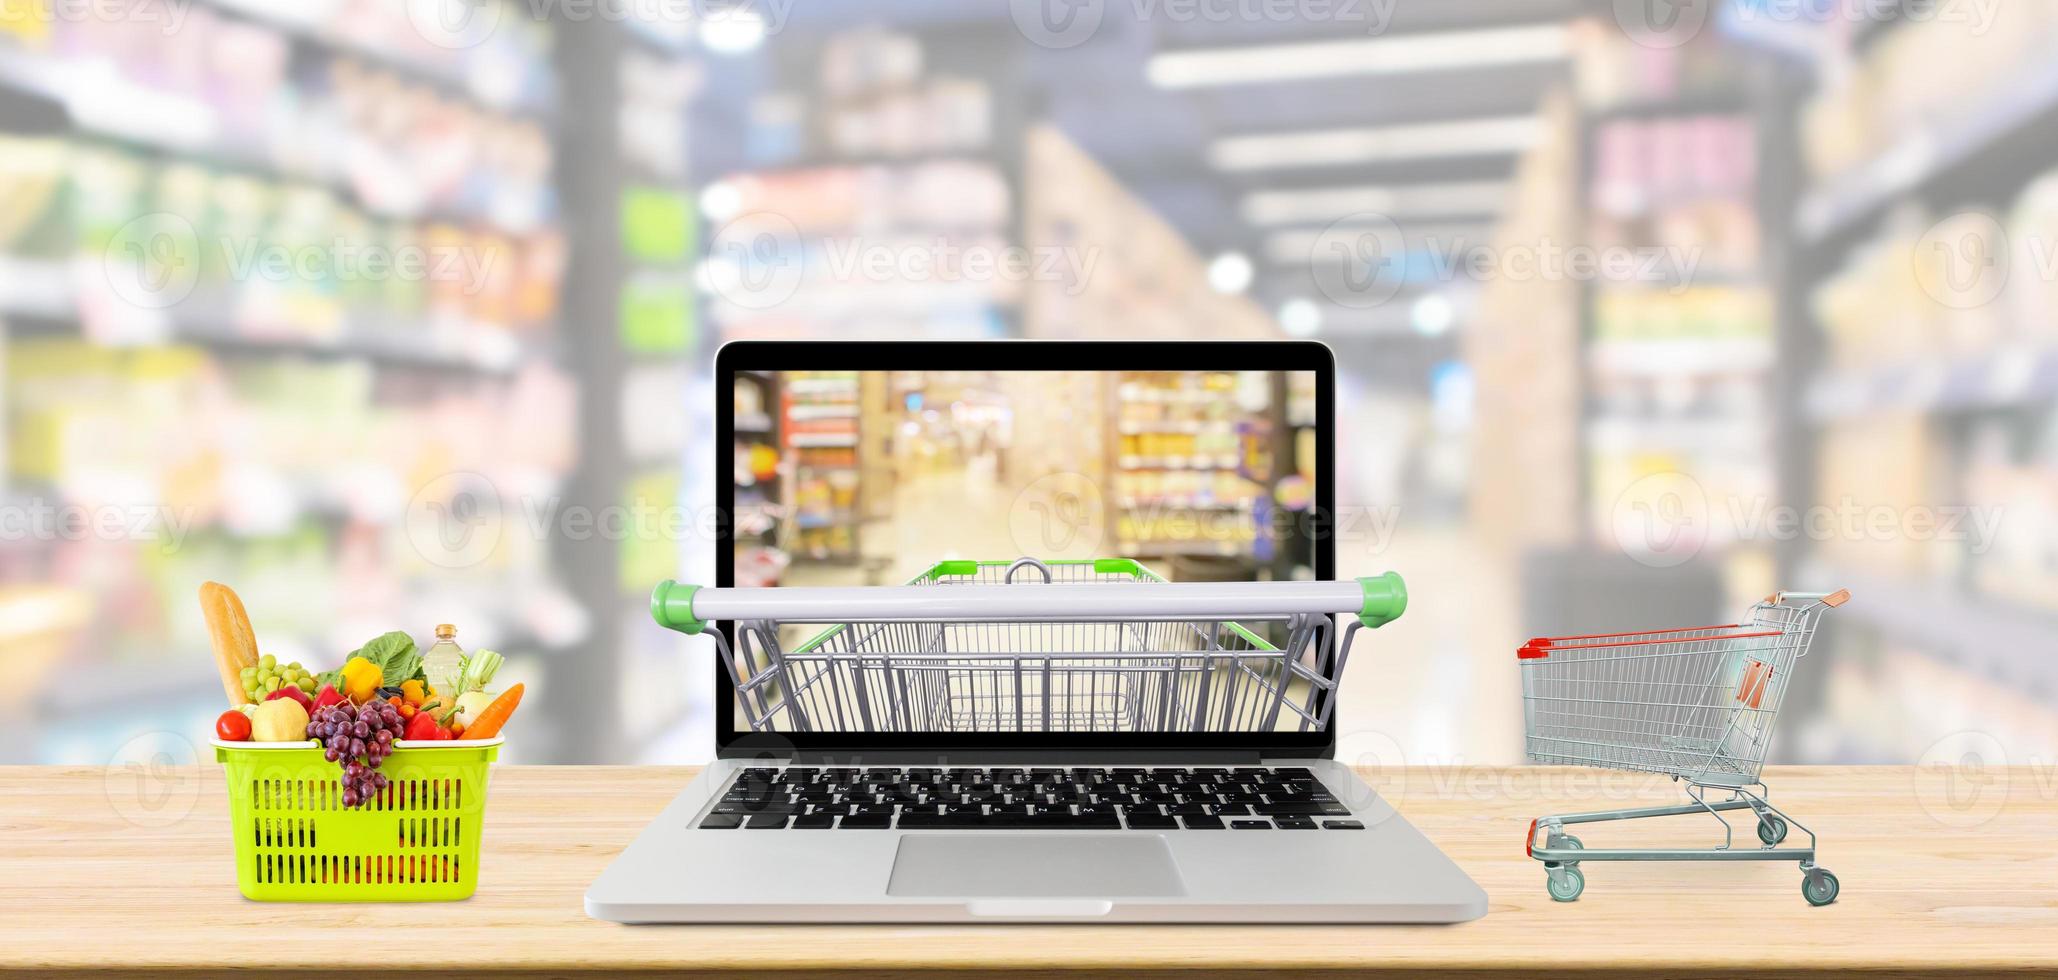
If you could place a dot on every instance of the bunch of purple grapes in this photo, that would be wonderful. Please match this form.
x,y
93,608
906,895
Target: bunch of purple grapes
x,y
360,738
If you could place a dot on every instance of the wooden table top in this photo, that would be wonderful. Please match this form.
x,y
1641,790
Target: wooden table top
x,y
108,875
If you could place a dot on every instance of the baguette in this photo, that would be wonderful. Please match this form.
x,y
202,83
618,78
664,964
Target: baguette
x,y
235,646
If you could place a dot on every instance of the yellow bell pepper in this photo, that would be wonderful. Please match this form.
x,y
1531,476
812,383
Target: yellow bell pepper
x,y
361,680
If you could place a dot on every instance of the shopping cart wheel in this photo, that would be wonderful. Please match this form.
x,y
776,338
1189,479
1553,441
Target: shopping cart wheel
x,y
1771,829
1819,887
1566,842
1565,883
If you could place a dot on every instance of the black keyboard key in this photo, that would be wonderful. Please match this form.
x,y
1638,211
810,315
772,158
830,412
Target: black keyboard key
x,y
1302,809
1343,825
782,808
721,821
1153,820
867,821
1250,825
1203,823
1294,823
767,821
1295,773
814,821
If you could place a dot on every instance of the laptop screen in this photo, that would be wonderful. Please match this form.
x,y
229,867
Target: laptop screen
x,y
1093,480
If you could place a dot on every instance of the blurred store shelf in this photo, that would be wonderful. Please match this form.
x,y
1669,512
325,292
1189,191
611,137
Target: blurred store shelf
x,y
1996,379
1932,153
2005,641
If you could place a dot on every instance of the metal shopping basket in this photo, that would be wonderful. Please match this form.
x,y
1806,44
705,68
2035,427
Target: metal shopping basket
x,y
1101,645
1695,704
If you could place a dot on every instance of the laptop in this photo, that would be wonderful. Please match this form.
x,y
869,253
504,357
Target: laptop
x,y
1029,632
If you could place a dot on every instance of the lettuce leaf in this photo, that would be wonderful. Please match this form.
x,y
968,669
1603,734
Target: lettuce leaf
x,y
396,656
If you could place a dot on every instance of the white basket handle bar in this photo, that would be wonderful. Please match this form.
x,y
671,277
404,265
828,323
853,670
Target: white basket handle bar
x,y
1374,600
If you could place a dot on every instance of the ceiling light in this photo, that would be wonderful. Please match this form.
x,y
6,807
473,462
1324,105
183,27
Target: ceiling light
x,y
720,201
734,31
1330,147
1230,273
1393,55
1432,315
1384,200
1300,318
1296,246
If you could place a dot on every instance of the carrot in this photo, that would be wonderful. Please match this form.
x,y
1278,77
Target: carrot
x,y
494,715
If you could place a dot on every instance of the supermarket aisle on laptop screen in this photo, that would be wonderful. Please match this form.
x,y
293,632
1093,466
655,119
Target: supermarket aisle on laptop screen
x,y
942,477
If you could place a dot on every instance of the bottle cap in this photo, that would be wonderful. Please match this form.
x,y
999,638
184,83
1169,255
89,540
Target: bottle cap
x,y
445,631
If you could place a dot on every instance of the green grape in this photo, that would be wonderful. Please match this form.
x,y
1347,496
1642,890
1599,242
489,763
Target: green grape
x,y
307,685
268,661
271,684
249,674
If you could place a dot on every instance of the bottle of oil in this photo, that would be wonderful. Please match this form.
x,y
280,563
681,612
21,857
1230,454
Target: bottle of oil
x,y
444,661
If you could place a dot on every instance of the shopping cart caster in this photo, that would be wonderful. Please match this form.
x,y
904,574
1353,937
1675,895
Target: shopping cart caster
x,y
1566,842
1818,886
1566,882
1771,829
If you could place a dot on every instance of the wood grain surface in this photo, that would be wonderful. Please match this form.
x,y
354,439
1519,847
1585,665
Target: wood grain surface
x,y
128,872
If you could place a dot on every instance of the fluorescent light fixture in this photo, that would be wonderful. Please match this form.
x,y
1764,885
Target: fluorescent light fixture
x,y
737,30
1392,55
1330,147
1298,246
1231,273
1300,318
1390,201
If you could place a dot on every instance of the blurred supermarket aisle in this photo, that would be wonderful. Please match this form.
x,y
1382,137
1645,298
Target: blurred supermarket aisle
x,y
399,312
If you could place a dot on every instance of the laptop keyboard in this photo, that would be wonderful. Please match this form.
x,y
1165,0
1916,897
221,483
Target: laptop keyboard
x,y
1088,798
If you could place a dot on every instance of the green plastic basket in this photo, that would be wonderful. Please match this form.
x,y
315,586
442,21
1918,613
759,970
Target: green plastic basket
x,y
297,842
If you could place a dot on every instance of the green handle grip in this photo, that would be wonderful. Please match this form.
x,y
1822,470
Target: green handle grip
x,y
671,604
1386,598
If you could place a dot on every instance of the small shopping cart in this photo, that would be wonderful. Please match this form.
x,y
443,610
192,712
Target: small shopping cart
x,y
1698,705
1099,645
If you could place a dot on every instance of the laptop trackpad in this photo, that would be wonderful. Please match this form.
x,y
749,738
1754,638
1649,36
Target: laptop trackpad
x,y
1062,865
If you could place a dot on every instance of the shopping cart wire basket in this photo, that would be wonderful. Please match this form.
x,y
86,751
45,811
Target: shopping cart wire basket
x,y
1697,704
1099,645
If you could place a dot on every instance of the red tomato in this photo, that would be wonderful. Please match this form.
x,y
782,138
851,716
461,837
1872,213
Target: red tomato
x,y
233,726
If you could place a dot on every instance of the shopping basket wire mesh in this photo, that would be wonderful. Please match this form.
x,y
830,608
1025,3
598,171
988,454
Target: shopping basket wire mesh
x,y
1698,703
1100,645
